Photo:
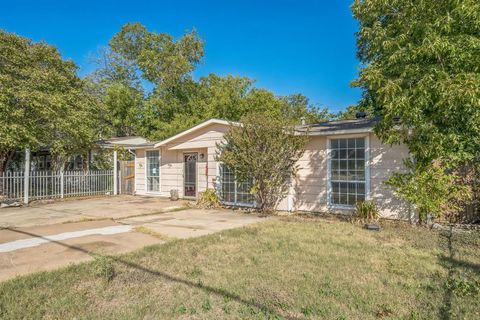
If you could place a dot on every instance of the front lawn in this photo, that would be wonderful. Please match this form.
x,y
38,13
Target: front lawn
x,y
282,268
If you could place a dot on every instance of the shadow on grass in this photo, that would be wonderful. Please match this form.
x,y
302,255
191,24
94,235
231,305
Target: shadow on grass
x,y
211,290
447,262
452,264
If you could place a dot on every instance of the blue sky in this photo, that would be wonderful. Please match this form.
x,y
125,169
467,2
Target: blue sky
x,y
287,46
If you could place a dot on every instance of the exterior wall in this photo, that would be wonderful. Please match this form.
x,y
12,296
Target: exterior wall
x,y
310,188
171,172
203,141
309,191
384,160
140,165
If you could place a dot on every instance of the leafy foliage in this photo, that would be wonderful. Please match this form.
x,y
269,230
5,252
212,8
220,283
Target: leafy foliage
x,y
147,86
421,64
265,149
366,211
432,190
208,199
103,158
350,113
161,60
103,267
42,101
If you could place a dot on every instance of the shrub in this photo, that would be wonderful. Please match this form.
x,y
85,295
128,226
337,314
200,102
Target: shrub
x,y
265,149
431,188
103,268
366,211
208,199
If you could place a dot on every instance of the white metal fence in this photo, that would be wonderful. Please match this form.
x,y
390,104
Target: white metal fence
x,y
56,184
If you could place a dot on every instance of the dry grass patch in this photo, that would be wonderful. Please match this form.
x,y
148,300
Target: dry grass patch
x,y
153,233
283,268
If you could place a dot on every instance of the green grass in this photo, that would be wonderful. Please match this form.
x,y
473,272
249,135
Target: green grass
x,y
282,268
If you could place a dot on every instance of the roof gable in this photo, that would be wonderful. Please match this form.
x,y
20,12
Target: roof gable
x,y
192,130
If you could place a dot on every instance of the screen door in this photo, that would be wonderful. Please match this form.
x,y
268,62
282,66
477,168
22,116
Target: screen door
x,y
190,175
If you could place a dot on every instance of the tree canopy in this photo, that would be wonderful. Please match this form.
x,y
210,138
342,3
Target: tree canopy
x,y
43,103
149,75
421,73
421,63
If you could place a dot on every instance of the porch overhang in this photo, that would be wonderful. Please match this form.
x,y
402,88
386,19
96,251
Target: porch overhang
x,y
130,142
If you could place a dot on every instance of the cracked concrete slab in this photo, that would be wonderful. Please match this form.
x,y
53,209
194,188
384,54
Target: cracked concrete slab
x,y
62,249
193,222
71,210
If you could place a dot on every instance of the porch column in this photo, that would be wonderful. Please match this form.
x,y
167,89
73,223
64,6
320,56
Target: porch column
x,y
115,173
26,176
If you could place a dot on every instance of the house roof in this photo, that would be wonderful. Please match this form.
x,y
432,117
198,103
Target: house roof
x,y
193,129
316,129
130,142
339,127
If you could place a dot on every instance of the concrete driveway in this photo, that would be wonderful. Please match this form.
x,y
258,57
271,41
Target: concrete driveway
x,y
43,247
72,210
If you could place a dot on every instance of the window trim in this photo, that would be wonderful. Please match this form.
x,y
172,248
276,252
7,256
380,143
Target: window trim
x,y
159,172
330,205
233,204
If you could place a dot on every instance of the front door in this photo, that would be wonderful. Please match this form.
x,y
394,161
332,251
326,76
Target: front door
x,y
190,175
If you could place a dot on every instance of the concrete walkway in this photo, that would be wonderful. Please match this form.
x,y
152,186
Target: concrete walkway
x,y
192,222
46,247
72,210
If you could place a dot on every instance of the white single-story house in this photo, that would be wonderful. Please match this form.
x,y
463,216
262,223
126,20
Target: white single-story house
x,y
344,162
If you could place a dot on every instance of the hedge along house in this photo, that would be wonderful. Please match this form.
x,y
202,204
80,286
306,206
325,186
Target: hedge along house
x,y
344,162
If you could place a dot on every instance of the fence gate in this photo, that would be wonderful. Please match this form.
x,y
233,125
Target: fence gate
x,y
127,177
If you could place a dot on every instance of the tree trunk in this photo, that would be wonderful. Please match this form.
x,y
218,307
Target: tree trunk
x,y
6,158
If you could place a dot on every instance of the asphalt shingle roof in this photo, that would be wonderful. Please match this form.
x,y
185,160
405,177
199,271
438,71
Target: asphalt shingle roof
x,y
364,124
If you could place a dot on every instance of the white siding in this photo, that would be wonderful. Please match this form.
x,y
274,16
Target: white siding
x,y
202,141
385,160
309,188
140,171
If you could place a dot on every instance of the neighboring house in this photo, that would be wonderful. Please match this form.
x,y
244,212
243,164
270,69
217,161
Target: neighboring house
x,y
344,162
42,160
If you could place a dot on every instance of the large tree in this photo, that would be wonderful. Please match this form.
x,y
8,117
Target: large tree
x,y
117,86
421,73
43,103
160,68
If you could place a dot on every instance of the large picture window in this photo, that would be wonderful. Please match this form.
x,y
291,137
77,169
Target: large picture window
x,y
347,171
153,171
233,192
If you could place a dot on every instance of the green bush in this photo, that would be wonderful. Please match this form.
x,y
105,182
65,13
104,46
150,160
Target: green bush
x,y
366,211
208,199
103,268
